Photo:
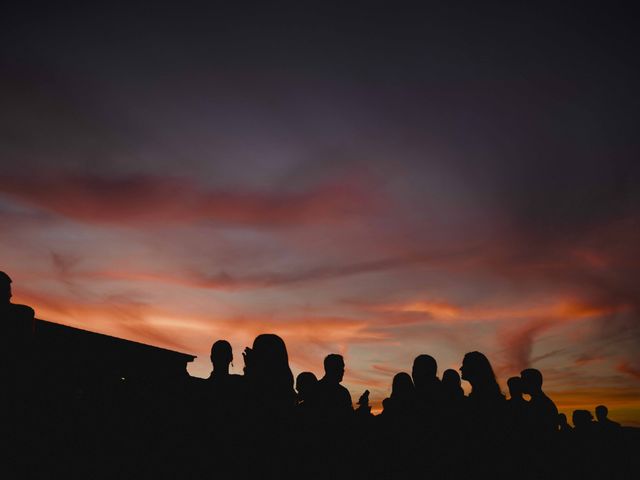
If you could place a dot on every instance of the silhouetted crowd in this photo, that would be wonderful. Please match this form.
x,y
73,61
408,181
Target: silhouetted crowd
x,y
262,424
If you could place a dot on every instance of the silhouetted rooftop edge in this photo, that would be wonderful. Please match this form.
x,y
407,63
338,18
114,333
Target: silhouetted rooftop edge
x,y
45,325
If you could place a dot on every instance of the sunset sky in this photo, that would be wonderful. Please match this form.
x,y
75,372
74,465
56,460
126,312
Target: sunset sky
x,y
373,181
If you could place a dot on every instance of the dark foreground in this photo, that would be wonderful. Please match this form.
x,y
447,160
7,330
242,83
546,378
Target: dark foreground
x,y
133,431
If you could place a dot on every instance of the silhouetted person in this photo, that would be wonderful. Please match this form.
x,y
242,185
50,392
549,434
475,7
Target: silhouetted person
x,y
333,398
221,358
604,423
16,340
515,390
428,387
402,401
563,424
306,386
477,370
453,403
270,402
364,409
306,413
583,421
451,386
17,319
516,404
268,374
542,412
485,407
226,389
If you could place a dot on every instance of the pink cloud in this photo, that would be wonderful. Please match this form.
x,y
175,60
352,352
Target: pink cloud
x,y
147,199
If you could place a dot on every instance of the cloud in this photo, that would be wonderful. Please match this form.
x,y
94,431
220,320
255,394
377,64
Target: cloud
x,y
314,274
115,315
587,358
157,200
628,368
519,343
224,280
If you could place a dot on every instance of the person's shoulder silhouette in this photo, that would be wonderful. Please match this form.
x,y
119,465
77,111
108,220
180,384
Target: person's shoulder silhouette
x,y
8,309
604,423
451,386
542,411
517,405
306,386
563,424
583,422
222,384
402,402
17,348
477,370
333,398
17,324
428,387
268,374
221,359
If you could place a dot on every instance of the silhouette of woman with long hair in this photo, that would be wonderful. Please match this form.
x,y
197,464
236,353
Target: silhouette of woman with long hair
x,y
402,402
477,370
484,414
271,405
486,404
268,374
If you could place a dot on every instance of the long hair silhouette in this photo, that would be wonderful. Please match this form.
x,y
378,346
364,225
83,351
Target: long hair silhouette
x,y
267,370
477,370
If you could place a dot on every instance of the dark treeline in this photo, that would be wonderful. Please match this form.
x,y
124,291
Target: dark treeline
x,y
266,424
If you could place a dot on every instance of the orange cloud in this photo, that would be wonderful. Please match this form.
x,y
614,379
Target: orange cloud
x,y
168,327
629,369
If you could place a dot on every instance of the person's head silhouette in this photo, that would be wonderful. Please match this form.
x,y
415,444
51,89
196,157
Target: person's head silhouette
x,y
601,413
562,421
334,367
515,387
402,386
268,355
451,383
5,288
267,371
305,383
582,419
476,369
424,370
221,356
531,381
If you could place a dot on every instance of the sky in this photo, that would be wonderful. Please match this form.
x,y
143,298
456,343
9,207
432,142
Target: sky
x,y
375,180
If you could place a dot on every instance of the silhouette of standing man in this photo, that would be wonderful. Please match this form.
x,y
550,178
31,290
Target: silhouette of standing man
x,y
334,399
221,358
225,389
543,413
604,422
428,386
